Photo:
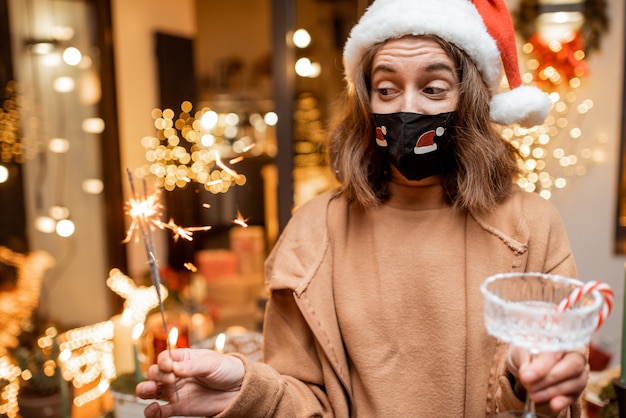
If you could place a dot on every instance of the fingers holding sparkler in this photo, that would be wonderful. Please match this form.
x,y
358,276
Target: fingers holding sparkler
x,y
144,213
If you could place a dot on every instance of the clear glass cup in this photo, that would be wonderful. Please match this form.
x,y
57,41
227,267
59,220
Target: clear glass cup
x,y
521,309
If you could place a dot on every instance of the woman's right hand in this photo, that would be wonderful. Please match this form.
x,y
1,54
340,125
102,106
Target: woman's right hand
x,y
196,382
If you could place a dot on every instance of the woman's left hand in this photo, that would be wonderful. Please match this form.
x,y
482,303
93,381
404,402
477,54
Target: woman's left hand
x,y
559,378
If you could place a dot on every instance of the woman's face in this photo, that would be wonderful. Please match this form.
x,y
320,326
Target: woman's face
x,y
413,74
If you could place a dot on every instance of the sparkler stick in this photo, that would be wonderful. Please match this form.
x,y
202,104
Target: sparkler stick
x,y
142,219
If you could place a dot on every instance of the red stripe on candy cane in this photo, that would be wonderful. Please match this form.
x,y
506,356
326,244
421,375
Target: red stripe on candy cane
x,y
578,293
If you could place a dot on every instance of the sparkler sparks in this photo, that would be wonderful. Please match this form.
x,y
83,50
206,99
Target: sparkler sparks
x,y
191,267
148,210
239,220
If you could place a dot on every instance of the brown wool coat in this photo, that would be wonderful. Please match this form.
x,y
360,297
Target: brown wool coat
x,y
305,370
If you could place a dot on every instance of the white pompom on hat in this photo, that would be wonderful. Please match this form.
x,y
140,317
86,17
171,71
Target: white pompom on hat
x,y
481,28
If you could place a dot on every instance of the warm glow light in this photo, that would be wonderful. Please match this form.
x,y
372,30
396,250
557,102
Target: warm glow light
x,y
305,68
59,145
63,84
301,38
72,56
172,337
139,300
220,341
87,354
42,48
93,125
207,140
231,119
575,133
51,60
138,330
45,224
16,306
65,228
92,186
4,174
209,120
63,33
59,212
187,149
271,118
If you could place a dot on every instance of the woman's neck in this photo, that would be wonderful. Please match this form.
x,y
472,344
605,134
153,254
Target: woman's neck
x,y
417,195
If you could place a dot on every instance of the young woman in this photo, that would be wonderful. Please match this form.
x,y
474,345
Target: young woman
x,y
375,308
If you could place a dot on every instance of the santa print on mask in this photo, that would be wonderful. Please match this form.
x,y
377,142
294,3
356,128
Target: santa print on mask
x,y
419,146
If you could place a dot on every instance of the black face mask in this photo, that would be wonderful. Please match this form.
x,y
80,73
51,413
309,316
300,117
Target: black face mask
x,y
419,146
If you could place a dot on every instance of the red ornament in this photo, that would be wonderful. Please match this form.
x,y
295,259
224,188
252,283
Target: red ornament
x,y
559,61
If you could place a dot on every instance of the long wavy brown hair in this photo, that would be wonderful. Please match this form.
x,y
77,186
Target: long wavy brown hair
x,y
484,166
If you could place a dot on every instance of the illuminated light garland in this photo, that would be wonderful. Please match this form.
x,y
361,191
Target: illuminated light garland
x,y
558,150
10,144
87,355
18,304
139,299
189,148
9,373
555,60
20,131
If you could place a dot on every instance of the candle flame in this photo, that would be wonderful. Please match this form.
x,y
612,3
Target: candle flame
x,y
220,341
172,337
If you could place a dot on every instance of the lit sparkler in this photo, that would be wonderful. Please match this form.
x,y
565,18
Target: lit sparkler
x,y
144,213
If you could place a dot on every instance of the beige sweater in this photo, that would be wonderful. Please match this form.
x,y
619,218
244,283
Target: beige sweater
x,y
314,363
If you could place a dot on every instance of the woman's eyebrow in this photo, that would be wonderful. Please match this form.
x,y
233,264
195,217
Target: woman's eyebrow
x,y
438,66
430,68
383,68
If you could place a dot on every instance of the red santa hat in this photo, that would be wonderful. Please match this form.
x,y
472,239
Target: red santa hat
x,y
481,28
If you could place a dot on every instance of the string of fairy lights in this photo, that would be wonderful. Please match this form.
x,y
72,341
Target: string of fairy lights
x,y
190,147
86,354
558,150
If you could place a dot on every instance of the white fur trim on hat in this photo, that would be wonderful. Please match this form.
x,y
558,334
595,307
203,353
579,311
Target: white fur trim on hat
x,y
460,23
526,105
456,21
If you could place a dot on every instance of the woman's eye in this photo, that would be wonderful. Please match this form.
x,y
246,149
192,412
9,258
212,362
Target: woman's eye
x,y
383,91
432,90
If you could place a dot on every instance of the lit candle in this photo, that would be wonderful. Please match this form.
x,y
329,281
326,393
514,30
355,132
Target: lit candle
x,y
122,342
137,331
623,367
220,341
173,338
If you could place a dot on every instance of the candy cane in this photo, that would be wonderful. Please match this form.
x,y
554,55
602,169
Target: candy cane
x,y
579,292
